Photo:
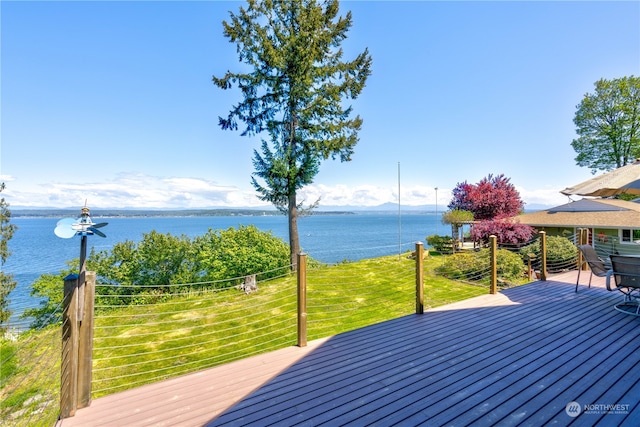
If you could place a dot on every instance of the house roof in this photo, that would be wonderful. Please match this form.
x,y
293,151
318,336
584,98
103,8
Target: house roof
x,y
605,213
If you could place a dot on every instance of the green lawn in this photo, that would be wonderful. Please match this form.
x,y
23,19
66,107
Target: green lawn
x,y
143,344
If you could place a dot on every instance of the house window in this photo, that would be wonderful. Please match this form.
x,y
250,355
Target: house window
x,y
629,236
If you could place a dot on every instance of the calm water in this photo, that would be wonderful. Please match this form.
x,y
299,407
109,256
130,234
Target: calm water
x,y
328,238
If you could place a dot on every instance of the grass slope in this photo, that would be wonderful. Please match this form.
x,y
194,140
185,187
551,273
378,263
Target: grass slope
x,y
142,344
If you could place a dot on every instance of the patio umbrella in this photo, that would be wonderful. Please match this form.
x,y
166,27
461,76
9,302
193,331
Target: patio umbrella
x,y
622,180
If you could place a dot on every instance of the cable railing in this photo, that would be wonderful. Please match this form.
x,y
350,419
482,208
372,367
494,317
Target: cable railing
x,y
208,327
144,334
30,377
341,299
194,330
516,263
348,254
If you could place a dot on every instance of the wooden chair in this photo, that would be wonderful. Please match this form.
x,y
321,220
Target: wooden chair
x,y
595,263
625,275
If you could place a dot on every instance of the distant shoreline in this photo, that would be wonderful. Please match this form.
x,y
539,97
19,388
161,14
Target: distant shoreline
x,y
158,213
144,213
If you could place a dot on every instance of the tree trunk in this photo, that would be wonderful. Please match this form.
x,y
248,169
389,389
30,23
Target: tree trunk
x,y
294,239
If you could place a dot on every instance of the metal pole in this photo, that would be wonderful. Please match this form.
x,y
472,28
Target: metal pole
x,y
437,221
399,217
82,276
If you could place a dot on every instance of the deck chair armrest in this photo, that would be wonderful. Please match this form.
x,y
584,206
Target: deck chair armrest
x,y
611,273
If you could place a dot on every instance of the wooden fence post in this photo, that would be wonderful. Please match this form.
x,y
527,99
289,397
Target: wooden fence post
x,y
419,278
302,300
77,343
543,254
493,244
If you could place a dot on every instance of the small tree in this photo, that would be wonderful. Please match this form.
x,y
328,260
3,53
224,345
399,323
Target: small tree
x,y
295,92
7,284
492,197
608,125
492,201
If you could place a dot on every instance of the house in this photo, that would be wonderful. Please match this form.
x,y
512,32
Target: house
x,y
614,225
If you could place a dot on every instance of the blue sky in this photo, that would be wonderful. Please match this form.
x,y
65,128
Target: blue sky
x,y
113,102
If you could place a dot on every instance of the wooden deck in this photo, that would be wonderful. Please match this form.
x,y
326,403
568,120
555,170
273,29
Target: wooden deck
x,y
516,358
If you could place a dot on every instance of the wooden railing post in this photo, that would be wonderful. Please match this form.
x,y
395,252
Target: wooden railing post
x,y
419,278
77,343
69,365
85,342
581,241
543,255
302,300
493,244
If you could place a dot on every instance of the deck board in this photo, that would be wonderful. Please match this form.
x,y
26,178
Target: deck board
x,y
516,358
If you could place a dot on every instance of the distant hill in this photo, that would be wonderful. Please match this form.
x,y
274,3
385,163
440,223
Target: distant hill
x,y
386,207
140,212
240,211
97,212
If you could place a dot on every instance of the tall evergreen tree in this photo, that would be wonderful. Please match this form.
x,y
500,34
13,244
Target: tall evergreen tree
x,y
7,284
295,92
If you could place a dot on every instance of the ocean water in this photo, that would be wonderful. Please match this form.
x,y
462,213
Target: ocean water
x,y
331,238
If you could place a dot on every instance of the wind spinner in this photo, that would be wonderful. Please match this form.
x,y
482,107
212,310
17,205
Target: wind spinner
x,y
83,226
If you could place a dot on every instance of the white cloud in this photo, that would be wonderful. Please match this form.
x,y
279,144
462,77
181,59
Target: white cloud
x,y
134,191
145,191
371,195
548,196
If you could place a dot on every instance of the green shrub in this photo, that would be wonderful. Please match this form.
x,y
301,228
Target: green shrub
x,y
510,265
236,253
49,289
476,266
440,243
464,266
138,273
560,252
